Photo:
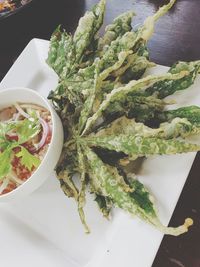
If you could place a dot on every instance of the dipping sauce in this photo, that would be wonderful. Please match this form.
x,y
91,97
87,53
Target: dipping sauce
x,y
25,134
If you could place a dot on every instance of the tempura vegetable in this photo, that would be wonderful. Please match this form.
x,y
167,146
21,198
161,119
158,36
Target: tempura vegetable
x,y
113,117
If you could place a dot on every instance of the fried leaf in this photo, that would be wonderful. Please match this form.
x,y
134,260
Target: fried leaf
x,y
138,202
177,127
95,92
61,55
68,90
105,205
119,27
67,184
141,146
89,24
136,69
138,107
120,60
142,196
87,107
126,126
145,32
66,169
120,94
65,52
133,69
191,113
93,99
133,40
99,11
53,48
146,203
163,89
106,175
124,43
131,59
81,196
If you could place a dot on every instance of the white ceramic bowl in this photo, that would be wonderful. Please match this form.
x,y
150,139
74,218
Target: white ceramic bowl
x,y
24,95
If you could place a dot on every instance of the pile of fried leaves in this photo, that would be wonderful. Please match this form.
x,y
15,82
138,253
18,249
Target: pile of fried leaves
x,y
112,116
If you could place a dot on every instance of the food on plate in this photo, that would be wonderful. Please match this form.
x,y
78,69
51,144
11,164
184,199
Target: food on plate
x,y
25,134
113,117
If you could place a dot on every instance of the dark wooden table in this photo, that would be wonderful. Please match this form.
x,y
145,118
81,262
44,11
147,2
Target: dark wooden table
x,y
177,37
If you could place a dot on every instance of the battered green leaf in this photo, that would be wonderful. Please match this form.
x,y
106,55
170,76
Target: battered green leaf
x,y
145,32
138,107
61,56
141,146
163,89
134,87
66,169
89,24
111,116
81,196
134,70
105,205
67,184
119,27
191,113
177,127
138,202
87,106
54,47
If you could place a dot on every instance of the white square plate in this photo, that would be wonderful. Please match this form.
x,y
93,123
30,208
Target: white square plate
x,y
44,229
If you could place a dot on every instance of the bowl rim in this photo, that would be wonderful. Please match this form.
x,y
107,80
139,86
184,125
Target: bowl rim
x,y
44,160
